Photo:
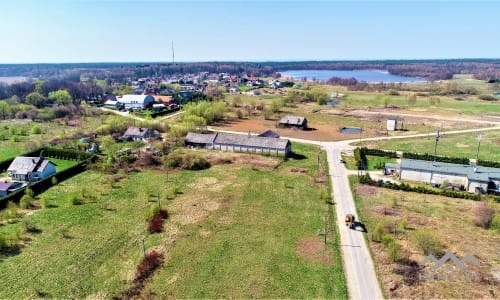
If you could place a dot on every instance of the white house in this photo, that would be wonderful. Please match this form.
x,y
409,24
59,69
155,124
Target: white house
x,y
137,101
30,168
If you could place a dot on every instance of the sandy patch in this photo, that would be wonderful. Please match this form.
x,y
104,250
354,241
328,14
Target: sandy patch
x,y
313,249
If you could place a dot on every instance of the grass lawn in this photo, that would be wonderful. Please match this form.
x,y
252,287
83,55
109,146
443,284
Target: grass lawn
x,y
451,220
235,230
456,145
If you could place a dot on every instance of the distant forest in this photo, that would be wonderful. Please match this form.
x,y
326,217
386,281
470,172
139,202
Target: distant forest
x,y
484,69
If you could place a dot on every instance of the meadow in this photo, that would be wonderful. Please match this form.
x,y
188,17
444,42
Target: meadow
x,y
449,220
242,229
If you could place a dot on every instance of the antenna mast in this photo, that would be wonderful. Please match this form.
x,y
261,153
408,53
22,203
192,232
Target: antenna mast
x,y
173,53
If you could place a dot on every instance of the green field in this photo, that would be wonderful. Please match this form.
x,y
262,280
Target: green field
x,y
450,219
453,145
17,138
234,232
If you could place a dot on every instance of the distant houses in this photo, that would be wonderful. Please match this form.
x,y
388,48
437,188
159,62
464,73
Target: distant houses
x,y
30,169
139,134
240,143
474,179
293,122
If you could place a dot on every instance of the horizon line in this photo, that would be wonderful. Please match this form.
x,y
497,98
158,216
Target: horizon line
x,y
251,61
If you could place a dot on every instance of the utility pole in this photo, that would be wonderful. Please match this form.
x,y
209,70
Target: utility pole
x,y
436,145
479,137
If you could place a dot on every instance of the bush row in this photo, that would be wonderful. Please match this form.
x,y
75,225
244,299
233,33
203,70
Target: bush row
x,y
67,154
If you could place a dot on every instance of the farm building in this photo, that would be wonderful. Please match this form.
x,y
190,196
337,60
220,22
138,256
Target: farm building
x,y
293,122
137,101
473,179
139,134
30,168
239,143
113,104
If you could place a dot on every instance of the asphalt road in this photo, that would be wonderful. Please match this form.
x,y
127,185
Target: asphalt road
x,y
359,270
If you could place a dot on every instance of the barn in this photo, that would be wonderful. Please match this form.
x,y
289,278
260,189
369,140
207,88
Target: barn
x,y
240,143
293,122
474,179
137,101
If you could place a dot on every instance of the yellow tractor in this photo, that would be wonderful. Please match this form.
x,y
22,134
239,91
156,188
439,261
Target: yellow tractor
x,y
349,221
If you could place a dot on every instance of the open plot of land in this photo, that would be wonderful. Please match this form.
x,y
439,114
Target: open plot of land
x,y
17,138
243,229
451,219
453,145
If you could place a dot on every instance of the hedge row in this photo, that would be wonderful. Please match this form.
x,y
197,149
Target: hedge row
x,y
366,179
66,154
426,156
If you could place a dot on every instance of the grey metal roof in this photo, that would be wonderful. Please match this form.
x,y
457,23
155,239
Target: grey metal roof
x,y
270,133
292,120
251,141
198,138
24,165
482,174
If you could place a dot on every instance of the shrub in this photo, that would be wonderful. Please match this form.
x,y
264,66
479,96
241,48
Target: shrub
x,y
379,231
29,192
488,97
25,201
74,200
152,211
53,180
3,243
483,215
495,224
403,224
151,261
45,201
428,241
36,130
387,239
394,251
10,212
155,224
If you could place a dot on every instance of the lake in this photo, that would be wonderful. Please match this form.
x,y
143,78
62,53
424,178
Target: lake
x,y
360,75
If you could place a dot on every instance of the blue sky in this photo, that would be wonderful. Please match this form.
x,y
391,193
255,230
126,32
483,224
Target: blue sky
x,y
136,30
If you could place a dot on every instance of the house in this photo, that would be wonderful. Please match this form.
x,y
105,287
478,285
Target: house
x,y
139,134
293,122
239,143
474,179
137,101
392,123
30,168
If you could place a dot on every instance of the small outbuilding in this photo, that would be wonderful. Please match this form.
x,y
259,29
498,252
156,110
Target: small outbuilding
x,y
392,123
293,122
270,133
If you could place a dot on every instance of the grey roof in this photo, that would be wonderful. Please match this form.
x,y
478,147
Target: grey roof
x,y
198,138
292,120
24,165
140,131
482,174
250,141
270,133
